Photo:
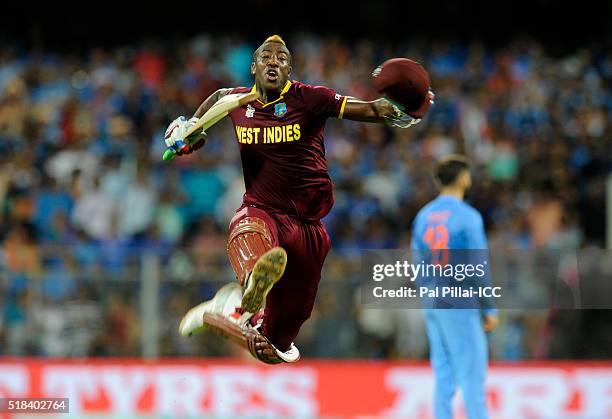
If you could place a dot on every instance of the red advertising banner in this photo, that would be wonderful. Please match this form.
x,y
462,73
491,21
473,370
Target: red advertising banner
x,y
230,388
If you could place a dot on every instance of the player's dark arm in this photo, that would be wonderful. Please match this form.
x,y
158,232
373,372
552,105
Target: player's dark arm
x,y
378,111
210,101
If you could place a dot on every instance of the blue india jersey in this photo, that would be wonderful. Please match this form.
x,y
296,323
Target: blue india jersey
x,y
450,231
449,222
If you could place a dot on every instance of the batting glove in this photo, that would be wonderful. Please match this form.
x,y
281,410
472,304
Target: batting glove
x,y
175,137
401,119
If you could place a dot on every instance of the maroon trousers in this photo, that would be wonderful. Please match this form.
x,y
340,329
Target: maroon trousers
x,y
291,300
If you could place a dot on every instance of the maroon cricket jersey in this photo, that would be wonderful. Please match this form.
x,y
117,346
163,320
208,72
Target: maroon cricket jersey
x,y
282,150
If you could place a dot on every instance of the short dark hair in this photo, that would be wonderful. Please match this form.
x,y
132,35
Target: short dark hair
x,y
450,167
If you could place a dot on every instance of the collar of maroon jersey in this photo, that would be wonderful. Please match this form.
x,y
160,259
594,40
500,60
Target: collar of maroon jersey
x,y
285,90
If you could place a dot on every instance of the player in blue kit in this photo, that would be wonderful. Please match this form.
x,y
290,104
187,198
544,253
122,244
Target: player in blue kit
x,y
458,345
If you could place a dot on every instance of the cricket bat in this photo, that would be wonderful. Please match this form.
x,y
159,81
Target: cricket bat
x,y
216,113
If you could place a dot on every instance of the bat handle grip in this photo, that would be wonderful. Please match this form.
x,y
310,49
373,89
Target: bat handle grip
x,y
170,152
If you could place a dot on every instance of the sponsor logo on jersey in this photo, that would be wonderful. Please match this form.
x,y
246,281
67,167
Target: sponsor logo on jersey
x,y
280,109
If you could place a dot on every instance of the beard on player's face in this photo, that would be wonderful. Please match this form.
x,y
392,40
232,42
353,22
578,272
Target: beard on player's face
x,y
465,181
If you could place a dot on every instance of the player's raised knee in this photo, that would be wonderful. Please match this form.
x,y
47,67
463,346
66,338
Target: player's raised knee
x,y
249,239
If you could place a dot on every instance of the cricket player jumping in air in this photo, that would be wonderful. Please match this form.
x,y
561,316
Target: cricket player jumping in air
x,y
458,346
277,243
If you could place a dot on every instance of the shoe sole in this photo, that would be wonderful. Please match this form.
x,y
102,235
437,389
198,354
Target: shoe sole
x,y
268,269
217,306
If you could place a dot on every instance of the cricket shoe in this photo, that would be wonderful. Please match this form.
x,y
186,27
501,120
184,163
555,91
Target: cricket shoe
x,y
224,303
267,271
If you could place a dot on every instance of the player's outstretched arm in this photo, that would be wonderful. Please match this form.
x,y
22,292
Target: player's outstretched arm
x,y
369,111
378,111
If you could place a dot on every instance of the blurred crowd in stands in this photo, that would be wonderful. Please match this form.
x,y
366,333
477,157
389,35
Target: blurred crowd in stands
x,y
84,193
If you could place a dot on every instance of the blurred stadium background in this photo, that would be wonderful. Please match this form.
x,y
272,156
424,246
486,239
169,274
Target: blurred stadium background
x,y
103,247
